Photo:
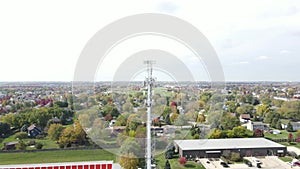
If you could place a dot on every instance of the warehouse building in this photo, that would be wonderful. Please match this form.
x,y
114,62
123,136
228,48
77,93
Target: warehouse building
x,y
214,148
68,165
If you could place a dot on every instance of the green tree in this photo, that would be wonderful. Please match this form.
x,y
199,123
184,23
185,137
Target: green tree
x,y
21,145
21,135
55,131
289,127
278,125
167,165
181,120
38,145
167,119
234,156
4,129
239,132
262,110
196,136
229,122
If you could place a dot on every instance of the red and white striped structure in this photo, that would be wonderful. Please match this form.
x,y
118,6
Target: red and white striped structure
x,y
67,165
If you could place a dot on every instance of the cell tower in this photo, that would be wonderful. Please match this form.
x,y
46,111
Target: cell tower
x,y
150,83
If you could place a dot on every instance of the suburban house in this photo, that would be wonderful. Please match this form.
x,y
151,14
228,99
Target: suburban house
x,y
214,148
252,125
296,125
244,118
33,131
55,120
10,145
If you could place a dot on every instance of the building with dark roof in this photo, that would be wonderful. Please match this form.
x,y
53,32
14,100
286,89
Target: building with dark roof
x,y
214,148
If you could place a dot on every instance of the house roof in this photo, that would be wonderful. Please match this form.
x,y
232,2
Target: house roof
x,y
11,143
245,116
258,123
295,123
31,127
232,143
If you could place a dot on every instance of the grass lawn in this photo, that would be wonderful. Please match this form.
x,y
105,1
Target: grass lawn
x,y
283,135
291,144
175,164
286,159
47,143
56,156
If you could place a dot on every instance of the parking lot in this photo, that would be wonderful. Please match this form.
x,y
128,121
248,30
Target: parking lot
x,y
269,162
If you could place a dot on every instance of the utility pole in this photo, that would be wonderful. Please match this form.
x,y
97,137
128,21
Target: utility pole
x,y
149,82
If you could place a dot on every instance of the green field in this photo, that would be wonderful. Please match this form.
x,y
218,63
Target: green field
x,y
283,135
56,156
297,145
286,159
47,143
175,164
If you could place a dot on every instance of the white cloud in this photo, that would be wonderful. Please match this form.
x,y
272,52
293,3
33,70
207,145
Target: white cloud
x,y
241,63
262,57
284,51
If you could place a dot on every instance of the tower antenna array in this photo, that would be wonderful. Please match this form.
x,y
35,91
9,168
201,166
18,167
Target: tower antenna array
x,y
149,82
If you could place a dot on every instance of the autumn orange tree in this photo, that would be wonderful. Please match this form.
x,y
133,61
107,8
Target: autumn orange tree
x,y
129,161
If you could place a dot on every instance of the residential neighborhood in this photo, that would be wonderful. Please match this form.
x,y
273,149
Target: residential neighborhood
x,y
99,119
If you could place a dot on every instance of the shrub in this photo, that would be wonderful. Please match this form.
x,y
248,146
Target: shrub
x,y
182,160
21,145
21,135
38,145
61,145
235,157
196,136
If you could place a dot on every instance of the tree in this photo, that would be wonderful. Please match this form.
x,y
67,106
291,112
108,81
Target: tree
x,y
235,156
196,136
262,110
200,118
229,122
239,132
278,125
129,161
289,127
168,120
169,154
21,135
258,133
182,160
55,131
4,129
67,137
290,138
21,145
121,121
215,134
173,117
130,145
167,165
181,120
79,133
38,145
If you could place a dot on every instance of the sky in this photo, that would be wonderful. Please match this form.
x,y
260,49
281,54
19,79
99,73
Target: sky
x,y
255,40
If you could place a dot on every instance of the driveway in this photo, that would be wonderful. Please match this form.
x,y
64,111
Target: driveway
x,y
294,149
